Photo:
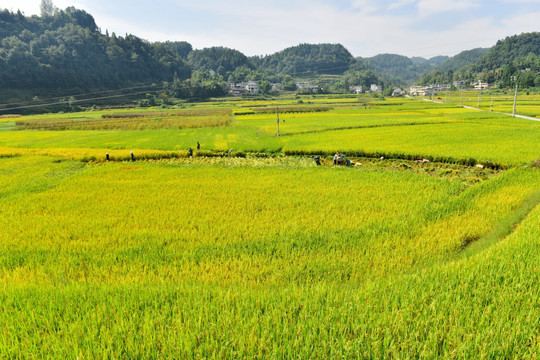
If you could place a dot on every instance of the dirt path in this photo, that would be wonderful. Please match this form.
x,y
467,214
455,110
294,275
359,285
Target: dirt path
x,y
495,112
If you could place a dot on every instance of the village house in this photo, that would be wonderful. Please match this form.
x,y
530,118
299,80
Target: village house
x,y
252,88
306,86
398,92
418,90
421,91
276,86
240,89
428,90
481,85
441,87
375,88
357,89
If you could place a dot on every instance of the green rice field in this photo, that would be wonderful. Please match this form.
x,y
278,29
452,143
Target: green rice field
x,y
428,246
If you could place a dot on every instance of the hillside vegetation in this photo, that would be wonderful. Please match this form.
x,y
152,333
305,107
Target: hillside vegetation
x,y
63,55
398,69
515,59
444,73
66,50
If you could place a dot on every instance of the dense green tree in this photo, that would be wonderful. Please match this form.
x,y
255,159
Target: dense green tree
x,y
214,58
47,8
288,83
400,70
308,60
181,48
264,87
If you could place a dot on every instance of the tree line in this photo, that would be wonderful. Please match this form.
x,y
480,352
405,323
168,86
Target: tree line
x,y
513,60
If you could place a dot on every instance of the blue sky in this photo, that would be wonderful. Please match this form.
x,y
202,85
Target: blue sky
x,y
366,28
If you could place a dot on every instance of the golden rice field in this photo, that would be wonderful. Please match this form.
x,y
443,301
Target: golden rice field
x,y
393,128
528,105
260,253
133,121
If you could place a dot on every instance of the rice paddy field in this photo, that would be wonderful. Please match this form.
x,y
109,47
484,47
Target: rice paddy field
x,y
526,104
427,247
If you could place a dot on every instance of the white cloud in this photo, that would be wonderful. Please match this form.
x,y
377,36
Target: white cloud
x,y
521,23
365,6
399,4
428,7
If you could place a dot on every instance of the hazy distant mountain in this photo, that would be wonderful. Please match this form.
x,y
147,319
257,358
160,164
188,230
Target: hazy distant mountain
x,y
444,73
399,69
464,58
434,61
438,60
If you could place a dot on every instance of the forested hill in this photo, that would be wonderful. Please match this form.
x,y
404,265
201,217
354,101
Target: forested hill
x,y
67,50
444,73
516,56
509,50
218,59
514,59
401,70
464,58
308,59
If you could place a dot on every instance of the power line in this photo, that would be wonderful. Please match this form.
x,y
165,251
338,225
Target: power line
x,y
79,95
78,101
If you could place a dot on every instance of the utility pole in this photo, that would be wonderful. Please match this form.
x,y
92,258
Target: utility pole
x,y
479,98
277,119
461,100
491,103
515,99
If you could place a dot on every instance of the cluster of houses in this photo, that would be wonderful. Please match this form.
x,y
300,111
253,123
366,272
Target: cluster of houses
x,y
374,88
358,89
306,86
251,88
432,89
243,88
428,90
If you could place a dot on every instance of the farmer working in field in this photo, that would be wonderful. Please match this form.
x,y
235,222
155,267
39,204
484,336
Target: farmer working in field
x,y
336,158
